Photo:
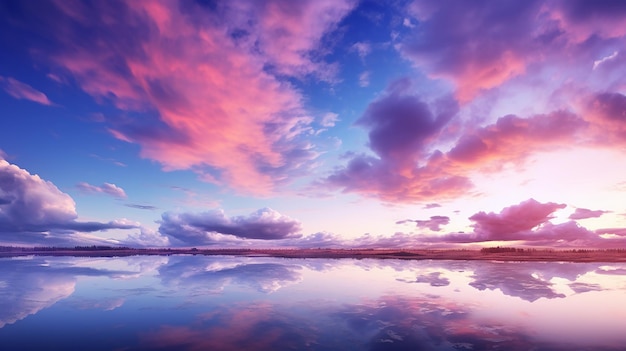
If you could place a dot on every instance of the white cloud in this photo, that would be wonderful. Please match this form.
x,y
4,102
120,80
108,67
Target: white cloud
x,y
329,120
364,79
611,57
362,48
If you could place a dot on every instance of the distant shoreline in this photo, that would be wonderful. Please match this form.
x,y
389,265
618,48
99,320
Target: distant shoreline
x,y
491,254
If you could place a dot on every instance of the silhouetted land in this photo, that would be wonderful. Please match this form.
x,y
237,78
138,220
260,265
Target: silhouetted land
x,y
491,254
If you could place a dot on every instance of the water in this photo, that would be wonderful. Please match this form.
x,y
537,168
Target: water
x,y
240,303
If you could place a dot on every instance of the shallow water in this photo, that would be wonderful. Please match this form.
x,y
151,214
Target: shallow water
x,y
241,303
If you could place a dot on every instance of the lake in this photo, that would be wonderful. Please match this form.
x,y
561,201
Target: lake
x,y
261,303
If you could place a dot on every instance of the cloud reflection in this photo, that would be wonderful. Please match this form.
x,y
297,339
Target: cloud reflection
x,y
29,285
213,274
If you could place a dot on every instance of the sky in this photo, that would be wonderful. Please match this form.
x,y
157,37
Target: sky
x,y
313,123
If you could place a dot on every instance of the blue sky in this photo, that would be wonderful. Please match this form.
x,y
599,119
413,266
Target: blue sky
x,y
313,123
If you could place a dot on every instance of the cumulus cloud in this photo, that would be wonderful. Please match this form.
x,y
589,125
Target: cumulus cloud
x,y
527,223
33,210
20,90
146,238
584,213
213,78
513,219
404,133
215,227
401,128
106,188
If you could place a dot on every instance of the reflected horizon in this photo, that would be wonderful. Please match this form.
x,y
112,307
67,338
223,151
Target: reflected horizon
x,y
263,303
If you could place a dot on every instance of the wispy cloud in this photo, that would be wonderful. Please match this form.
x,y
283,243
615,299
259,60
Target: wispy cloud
x,y
141,207
106,188
364,79
584,213
226,111
20,90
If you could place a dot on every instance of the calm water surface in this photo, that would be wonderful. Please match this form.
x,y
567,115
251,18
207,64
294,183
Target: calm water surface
x,y
238,303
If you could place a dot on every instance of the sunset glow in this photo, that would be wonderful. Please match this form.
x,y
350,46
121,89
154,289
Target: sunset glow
x,y
313,123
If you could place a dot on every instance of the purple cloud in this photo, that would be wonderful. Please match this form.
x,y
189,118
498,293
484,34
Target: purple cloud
x,y
528,223
584,213
476,44
106,188
434,223
20,90
607,114
404,133
480,45
400,124
513,139
401,129
513,219
33,210
213,227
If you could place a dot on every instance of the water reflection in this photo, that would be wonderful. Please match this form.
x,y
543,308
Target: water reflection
x,y
28,285
212,274
226,303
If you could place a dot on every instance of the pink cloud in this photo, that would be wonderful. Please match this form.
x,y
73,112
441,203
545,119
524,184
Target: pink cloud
x,y
612,231
582,20
527,223
208,80
404,132
289,33
401,130
477,45
607,114
106,188
513,219
20,90
513,139
258,326
584,213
